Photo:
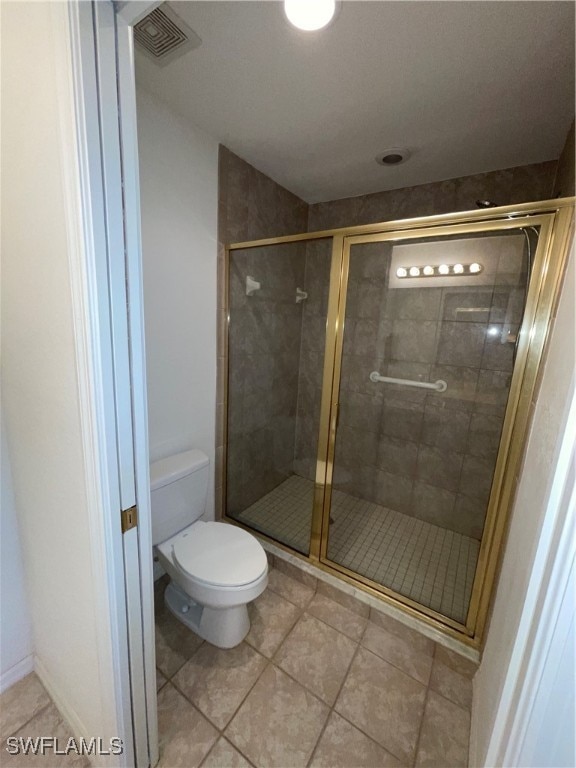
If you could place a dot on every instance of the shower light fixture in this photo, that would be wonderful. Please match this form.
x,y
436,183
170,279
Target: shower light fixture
x,y
309,15
444,270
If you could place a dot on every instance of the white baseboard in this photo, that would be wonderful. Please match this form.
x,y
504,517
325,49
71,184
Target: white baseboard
x,y
76,725
17,672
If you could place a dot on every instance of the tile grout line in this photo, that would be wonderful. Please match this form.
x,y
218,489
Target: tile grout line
x,y
34,716
417,742
331,709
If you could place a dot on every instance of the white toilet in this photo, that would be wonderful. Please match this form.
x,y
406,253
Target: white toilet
x,y
215,568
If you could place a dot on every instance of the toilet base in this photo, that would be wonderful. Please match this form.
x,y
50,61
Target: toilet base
x,y
222,627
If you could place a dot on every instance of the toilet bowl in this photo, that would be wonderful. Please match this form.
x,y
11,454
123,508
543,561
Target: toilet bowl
x,y
216,569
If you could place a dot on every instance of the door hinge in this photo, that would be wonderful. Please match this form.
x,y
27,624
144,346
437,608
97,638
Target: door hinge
x,y
129,518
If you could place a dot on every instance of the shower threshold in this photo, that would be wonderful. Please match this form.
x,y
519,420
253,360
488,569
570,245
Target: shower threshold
x,y
431,565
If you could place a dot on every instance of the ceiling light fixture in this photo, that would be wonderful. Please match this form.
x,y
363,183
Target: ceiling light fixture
x,y
309,15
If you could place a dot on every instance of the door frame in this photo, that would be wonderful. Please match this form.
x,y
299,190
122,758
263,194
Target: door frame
x,y
112,315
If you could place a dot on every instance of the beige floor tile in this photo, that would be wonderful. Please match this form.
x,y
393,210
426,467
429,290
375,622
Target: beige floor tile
x,y
271,618
339,617
402,653
224,755
344,746
395,627
20,703
48,722
160,680
217,680
451,684
384,702
455,661
279,723
185,736
445,734
293,590
175,643
343,598
317,656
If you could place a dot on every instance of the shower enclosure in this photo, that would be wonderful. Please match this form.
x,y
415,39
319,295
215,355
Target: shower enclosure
x,y
379,381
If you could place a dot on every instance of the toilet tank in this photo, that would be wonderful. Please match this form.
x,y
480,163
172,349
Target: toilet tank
x,y
178,491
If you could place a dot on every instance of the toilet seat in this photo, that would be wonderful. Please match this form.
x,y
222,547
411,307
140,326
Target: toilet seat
x,y
219,555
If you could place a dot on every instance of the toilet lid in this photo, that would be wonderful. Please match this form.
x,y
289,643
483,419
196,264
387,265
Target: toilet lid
x,y
220,554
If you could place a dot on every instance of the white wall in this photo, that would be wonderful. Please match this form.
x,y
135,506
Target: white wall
x,y
15,629
179,203
546,433
40,380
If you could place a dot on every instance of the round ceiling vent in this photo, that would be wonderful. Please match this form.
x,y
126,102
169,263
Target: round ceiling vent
x,y
393,156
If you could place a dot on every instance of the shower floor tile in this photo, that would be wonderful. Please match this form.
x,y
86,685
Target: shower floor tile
x,y
430,565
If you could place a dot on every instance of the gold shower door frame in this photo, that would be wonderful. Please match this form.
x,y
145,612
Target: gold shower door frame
x,y
555,221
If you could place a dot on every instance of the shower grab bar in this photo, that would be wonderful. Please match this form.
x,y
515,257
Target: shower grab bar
x,y
439,386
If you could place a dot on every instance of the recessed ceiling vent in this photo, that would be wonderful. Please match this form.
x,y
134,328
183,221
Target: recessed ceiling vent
x,y
393,156
163,35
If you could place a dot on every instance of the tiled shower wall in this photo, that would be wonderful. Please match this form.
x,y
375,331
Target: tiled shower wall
x,y
265,333
513,185
310,371
252,206
427,454
264,351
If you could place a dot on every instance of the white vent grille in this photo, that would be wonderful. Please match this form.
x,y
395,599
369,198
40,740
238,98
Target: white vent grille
x,y
163,35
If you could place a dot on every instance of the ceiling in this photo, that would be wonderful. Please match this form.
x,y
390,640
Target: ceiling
x,y
467,87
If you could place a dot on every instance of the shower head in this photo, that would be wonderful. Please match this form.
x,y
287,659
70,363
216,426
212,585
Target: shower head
x,y
485,204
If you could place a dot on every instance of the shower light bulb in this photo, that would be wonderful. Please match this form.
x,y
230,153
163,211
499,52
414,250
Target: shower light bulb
x,y
414,272
458,269
475,268
401,272
428,271
443,269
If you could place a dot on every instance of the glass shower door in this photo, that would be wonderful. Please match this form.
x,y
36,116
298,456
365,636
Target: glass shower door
x,y
428,347
277,305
